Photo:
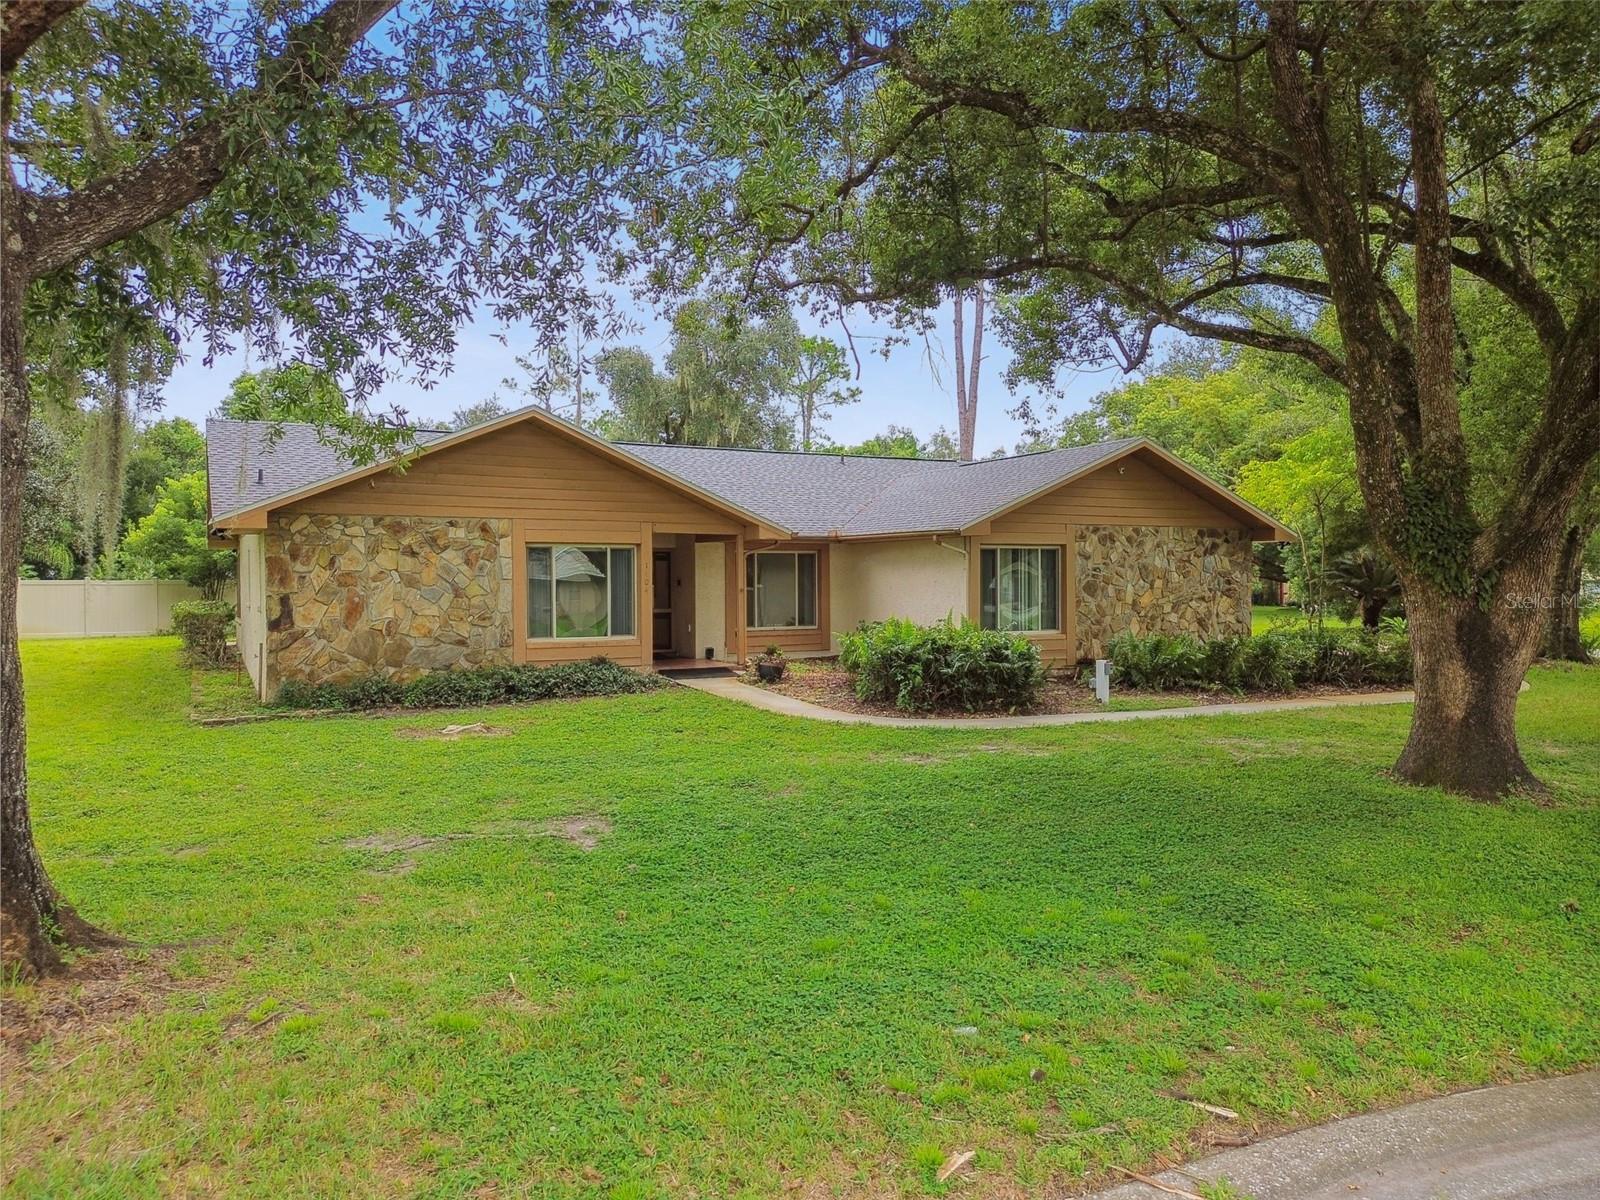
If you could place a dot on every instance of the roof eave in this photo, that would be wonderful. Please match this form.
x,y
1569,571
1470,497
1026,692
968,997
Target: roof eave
x,y
888,535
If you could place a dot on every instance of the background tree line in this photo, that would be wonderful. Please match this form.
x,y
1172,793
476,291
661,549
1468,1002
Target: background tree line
x,y
74,492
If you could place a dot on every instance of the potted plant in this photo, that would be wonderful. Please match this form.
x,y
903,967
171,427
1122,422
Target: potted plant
x,y
771,665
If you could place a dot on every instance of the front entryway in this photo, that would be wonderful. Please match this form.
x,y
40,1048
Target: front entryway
x,y
691,604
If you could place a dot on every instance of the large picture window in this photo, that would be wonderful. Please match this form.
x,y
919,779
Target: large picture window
x,y
780,589
1020,587
580,591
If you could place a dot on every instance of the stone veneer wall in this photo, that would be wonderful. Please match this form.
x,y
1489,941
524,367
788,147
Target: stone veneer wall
x,y
1159,579
395,596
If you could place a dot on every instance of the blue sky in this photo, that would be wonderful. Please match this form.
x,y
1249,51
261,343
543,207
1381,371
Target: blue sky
x,y
912,387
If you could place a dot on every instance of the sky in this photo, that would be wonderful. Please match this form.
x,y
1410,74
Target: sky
x,y
912,387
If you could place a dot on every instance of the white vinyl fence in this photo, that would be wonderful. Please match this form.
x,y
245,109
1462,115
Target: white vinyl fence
x,y
56,608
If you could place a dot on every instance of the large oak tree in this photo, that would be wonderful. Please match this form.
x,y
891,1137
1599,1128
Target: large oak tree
x,y
1231,171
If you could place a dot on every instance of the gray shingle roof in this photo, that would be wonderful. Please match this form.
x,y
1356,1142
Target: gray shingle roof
x,y
820,494
244,468
814,495
972,491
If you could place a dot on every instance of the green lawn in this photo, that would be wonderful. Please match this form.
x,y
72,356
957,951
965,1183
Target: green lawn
x,y
762,976
1265,616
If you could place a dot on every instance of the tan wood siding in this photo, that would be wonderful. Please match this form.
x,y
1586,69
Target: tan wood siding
x,y
561,491
740,636
795,640
1128,492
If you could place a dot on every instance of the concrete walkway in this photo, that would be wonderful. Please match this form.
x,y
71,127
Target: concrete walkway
x,y
732,689
1520,1141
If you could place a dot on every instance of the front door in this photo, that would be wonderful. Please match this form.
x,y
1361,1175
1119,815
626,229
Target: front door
x,y
661,616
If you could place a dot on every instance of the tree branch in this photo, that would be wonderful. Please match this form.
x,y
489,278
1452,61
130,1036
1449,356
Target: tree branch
x,y
1511,277
24,22
1588,138
59,230
1382,399
1172,313
1564,444
1225,142
1275,279
1200,44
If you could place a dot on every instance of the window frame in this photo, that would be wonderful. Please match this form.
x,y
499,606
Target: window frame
x,y
984,606
754,599
553,636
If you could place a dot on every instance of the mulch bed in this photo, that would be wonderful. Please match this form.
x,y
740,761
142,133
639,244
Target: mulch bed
x,y
824,682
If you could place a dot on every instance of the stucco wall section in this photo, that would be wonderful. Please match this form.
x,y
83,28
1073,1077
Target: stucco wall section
x,y
914,578
252,632
1150,579
348,596
710,600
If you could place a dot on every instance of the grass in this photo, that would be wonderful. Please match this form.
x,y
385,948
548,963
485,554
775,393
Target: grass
x,y
1268,616
804,954
222,693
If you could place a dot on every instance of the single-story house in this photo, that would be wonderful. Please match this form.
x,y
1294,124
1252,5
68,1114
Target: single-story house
x,y
526,539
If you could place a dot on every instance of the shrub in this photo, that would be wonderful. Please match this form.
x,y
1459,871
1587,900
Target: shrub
x,y
464,689
1157,661
203,626
1263,664
921,667
1274,661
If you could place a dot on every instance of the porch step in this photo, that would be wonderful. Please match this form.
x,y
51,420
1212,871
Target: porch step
x,y
697,672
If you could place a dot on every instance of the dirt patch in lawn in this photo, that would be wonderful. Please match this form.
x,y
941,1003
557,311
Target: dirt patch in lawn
x,y
454,733
394,843
583,830
1243,750
934,760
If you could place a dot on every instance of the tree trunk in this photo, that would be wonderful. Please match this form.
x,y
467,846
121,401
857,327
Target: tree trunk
x,y
1372,610
113,463
967,371
35,923
969,418
1470,662
963,451
1561,635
